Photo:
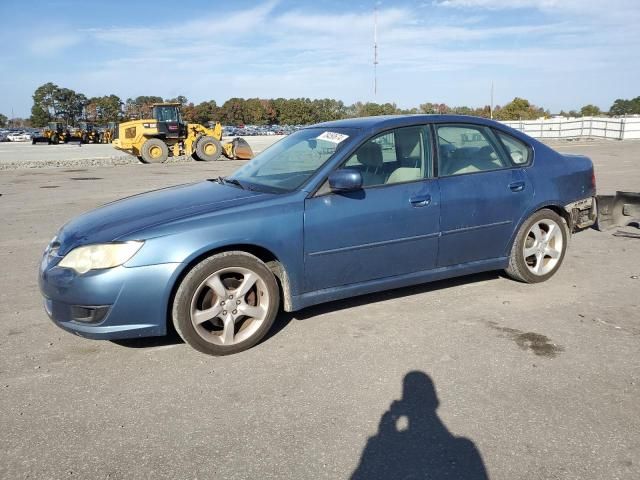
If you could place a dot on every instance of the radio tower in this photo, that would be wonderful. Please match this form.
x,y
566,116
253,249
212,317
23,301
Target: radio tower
x,y
375,50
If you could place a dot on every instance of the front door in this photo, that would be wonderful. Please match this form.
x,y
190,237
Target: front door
x,y
388,228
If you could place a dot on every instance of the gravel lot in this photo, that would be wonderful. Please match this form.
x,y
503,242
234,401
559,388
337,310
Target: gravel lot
x,y
26,155
542,380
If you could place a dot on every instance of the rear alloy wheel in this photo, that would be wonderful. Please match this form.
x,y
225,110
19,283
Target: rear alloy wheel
x,y
154,150
539,248
226,304
208,149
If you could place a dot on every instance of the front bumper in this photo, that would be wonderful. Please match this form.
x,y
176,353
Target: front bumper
x,y
109,304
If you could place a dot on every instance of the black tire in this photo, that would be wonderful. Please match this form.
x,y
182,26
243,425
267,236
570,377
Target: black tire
x,y
520,267
54,140
84,139
33,141
208,149
189,288
154,150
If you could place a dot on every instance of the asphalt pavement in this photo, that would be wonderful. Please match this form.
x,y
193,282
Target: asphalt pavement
x,y
478,374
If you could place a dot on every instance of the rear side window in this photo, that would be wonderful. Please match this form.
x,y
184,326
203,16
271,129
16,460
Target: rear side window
x,y
519,152
467,149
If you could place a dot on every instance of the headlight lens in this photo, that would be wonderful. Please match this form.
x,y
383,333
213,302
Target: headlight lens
x,y
92,257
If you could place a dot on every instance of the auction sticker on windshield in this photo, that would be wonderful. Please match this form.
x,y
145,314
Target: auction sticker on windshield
x,y
332,137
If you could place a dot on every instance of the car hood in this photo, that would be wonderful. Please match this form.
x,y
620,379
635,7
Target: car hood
x,y
123,217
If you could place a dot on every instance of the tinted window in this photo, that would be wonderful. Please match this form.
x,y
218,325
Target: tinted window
x,y
517,150
467,149
401,155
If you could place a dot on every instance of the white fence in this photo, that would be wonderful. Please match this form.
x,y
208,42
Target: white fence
x,y
615,128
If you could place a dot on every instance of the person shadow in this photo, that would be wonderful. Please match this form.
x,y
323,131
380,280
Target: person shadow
x,y
413,443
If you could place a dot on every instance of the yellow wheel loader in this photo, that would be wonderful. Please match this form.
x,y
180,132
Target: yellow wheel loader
x,y
106,133
166,134
53,134
85,132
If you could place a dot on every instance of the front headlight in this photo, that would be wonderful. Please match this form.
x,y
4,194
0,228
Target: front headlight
x,y
92,257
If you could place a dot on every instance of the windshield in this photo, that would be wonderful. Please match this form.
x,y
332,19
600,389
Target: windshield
x,y
166,113
287,164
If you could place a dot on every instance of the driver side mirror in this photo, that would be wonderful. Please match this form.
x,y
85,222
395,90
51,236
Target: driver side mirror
x,y
345,180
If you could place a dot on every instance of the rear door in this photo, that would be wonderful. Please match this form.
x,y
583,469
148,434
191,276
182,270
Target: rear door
x,y
483,192
388,228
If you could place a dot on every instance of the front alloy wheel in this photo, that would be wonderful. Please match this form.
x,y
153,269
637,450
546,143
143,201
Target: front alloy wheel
x,y
226,304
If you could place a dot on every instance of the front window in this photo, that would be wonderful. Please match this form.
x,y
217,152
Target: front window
x,y
289,163
398,156
166,113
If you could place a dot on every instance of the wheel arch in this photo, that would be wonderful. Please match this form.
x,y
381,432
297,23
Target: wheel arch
x,y
553,206
265,255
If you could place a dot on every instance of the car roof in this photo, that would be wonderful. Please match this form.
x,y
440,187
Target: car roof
x,y
390,121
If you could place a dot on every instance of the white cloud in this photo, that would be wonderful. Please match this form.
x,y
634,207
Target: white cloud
x,y
49,44
428,53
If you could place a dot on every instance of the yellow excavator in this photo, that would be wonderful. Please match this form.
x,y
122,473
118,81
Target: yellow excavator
x,y
153,140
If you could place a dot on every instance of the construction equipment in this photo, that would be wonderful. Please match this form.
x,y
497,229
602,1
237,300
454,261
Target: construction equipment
x,y
107,133
53,134
166,134
85,132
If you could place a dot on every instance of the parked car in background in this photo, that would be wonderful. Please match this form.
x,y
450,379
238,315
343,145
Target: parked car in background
x,y
333,210
19,137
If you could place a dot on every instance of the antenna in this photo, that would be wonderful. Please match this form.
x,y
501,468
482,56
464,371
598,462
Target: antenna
x,y
375,49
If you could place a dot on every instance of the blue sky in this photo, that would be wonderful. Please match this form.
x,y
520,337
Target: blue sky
x,y
559,54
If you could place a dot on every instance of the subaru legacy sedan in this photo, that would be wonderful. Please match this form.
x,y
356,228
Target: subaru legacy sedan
x,y
333,210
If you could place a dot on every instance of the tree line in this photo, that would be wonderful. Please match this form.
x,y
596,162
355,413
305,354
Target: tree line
x,y
54,103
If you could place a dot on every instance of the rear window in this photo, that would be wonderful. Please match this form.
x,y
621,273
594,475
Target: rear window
x,y
519,152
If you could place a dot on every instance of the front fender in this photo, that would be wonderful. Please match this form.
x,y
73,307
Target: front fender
x,y
275,227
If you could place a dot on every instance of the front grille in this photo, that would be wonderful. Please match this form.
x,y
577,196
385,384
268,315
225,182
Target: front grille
x,y
130,132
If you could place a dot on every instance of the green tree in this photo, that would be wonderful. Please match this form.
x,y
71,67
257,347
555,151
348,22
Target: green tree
x,y
255,112
43,109
519,109
181,99
590,111
69,105
625,107
108,108
3,120
140,107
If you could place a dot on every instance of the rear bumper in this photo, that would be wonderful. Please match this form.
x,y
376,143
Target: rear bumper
x,y
109,304
583,213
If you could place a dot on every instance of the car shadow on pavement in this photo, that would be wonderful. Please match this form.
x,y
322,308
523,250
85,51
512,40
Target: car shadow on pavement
x,y
393,294
171,338
413,442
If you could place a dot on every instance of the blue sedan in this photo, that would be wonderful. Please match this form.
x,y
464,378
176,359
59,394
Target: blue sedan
x,y
334,210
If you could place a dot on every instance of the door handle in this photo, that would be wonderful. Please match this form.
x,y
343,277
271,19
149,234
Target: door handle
x,y
420,200
516,186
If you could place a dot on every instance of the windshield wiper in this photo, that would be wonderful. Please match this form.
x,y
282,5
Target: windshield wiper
x,y
232,181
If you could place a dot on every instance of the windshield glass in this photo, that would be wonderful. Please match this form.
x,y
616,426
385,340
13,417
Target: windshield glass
x,y
166,113
287,164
